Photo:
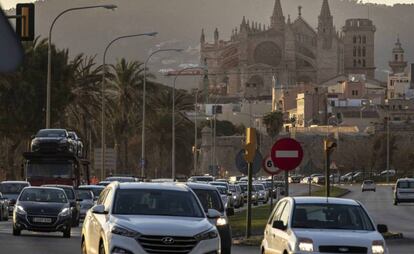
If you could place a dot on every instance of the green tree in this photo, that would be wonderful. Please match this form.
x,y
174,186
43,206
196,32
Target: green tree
x,y
274,123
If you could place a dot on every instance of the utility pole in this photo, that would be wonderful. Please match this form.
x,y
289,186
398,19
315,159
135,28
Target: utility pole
x,y
250,153
329,147
388,149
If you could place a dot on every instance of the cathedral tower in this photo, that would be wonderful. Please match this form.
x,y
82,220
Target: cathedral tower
x,y
398,63
277,21
326,29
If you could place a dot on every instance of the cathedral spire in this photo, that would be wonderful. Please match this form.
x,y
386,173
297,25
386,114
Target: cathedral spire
x,y
216,35
277,20
202,37
326,29
325,11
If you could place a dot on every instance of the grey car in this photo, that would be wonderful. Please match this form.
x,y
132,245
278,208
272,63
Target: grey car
x,y
237,195
4,208
210,199
86,201
78,143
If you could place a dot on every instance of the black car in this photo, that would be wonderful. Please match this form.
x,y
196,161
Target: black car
x,y
11,190
42,209
74,204
210,198
52,141
4,208
78,142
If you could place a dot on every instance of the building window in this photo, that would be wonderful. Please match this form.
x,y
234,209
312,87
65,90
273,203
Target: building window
x,y
392,96
355,62
355,39
355,51
364,51
364,39
396,57
359,62
359,39
359,51
364,64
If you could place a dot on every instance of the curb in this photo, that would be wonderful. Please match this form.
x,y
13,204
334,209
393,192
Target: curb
x,y
390,236
344,194
254,240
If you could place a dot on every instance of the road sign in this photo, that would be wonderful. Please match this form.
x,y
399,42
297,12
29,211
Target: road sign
x,y
287,154
241,163
270,167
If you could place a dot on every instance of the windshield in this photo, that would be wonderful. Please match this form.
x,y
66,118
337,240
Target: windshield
x,y
222,190
243,187
96,191
51,134
331,216
232,188
84,194
220,184
52,170
157,202
368,182
259,187
406,185
43,195
210,199
12,188
202,179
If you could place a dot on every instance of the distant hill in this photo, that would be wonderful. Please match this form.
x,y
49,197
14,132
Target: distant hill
x,y
179,24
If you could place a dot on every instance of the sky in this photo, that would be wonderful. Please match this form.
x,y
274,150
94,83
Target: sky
x,y
7,4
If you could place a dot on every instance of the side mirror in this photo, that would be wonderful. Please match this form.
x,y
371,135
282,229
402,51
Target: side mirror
x,y
382,228
99,209
213,214
278,224
230,211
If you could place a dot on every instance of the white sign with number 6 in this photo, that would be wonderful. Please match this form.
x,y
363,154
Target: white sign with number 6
x,y
269,166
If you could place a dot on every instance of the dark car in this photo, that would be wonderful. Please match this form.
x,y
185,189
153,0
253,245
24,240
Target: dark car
x,y
96,189
78,142
11,190
210,198
4,208
74,205
42,209
52,141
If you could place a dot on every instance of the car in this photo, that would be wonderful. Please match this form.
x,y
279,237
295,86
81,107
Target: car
x,y
210,199
262,193
53,141
78,143
222,180
322,225
358,176
42,209
335,178
244,186
4,208
295,178
404,191
74,204
306,180
104,183
86,201
389,173
202,179
142,217
224,184
318,179
122,179
237,195
11,190
348,177
96,189
368,185
226,195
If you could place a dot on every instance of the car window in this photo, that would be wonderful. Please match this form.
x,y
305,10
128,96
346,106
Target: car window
x,y
51,133
279,211
285,214
43,195
405,185
12,188
108,200
69,193
84,194
232,188
270,220
102,197
209,199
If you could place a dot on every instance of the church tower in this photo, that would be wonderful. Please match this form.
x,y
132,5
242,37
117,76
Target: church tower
x,y
398,63
277,21
326,29
359,47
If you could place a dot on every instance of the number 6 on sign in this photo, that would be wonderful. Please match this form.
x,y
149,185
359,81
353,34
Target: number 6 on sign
x,y
269,166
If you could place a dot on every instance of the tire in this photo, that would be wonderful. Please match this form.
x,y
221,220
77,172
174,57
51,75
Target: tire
x,y
395,202
83,247
101,248
1,215
16,231
66,233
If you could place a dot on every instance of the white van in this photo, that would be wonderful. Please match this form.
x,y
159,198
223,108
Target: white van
x,y
404,191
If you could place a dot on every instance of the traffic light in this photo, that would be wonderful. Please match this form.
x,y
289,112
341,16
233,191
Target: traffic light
x,y
25,27
251,145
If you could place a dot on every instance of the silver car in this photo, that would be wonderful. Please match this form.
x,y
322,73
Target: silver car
x,y
237,195
262,193
86,201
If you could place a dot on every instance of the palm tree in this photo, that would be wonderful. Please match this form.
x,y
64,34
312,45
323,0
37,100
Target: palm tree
x,y
274,123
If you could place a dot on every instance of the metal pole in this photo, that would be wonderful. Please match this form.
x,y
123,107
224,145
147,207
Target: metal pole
x,y
388,149
195,133
49,56
173,132
327,172
286,183
271,194
249,201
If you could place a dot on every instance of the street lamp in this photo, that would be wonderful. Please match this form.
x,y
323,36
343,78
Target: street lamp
x,y
173,172
49,53
144,95
103,93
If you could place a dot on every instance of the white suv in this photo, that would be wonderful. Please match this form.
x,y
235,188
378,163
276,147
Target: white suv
x,y
143,218
322,225
404,191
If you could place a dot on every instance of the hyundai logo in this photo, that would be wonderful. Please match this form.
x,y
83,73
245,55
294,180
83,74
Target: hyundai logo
x,y
343,249
168,240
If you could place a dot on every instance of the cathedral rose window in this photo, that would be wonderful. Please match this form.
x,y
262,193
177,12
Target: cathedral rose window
x,y
268,53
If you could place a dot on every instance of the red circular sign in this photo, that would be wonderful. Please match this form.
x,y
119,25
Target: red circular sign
x,y
269,166
287,154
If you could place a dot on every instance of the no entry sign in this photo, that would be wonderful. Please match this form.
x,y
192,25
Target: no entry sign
x,y
270,167
287,154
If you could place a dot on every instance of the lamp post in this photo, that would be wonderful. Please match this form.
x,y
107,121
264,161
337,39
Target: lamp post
x,y
49,53
103,143
144,95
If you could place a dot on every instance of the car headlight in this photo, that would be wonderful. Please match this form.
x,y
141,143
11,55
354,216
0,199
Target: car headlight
x,y
378,247
65,212
221,222
305,245
234,197
117,230
20,210
35,142
209,234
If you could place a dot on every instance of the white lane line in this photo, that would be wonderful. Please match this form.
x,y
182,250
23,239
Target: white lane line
x,y
287,154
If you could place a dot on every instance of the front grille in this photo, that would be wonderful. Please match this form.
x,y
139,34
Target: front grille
x,y
342,249
163,244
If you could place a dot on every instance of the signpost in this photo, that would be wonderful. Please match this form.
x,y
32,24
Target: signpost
x,y
287,154
272,170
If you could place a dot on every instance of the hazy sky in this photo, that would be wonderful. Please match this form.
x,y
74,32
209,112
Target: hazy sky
x,y
6,4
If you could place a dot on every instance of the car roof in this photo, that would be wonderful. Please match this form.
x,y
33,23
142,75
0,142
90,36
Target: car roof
x,y
91,186
58,186
405,179
22,182
43,187
152,186
324,200
201,186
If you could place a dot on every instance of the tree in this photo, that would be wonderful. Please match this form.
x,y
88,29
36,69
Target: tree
x,y
274,123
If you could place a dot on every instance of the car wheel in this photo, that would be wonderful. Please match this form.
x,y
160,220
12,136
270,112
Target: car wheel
x,y
101,248
66,233
83,247
16,231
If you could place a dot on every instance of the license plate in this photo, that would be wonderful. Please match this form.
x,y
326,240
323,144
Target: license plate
x,y
42,220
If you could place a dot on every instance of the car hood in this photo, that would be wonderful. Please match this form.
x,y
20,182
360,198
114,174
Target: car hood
x,y
163,225
43,208
339,237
